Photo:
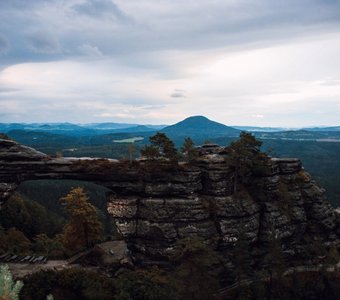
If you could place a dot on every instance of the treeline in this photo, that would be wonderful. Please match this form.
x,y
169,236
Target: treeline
x,y
26,227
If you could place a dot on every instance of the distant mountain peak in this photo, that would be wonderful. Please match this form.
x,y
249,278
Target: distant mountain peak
x,y
200,125
199,117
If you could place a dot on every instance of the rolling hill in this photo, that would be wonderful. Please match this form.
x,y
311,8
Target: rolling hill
x,y
199,127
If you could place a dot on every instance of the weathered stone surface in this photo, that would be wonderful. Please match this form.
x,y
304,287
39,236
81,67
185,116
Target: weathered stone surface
x,y
288,165
174,209
153,205
127,228
158,231
205,229
6,189
230,229
11,150
234,207
124,208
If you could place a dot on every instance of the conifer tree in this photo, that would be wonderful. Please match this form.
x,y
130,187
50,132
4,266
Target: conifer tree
x,y
161,146
83,227
189,150
9,290
243,155
150,152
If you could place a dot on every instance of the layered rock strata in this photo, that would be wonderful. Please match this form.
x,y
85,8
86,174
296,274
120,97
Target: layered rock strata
x,y
155,205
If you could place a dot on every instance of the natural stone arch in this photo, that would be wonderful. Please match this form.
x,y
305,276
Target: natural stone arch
x,y
185,200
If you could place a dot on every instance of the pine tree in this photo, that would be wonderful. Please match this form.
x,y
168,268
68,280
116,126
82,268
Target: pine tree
x,y
83,227
9,290
243,155
165,146
189,150
161,146
150,152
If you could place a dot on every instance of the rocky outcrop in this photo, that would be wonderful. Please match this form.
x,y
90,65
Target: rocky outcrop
x,y
155,204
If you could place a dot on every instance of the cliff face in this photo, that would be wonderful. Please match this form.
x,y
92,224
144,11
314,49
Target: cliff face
x,y
154,205
282,202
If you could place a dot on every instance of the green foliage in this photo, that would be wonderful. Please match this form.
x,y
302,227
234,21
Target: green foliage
x,y
161,146
195,275
189,150
70,284
14,241
17,242
243,155
150,152
48,192
9,290
83,228
29,217
50,247
152,284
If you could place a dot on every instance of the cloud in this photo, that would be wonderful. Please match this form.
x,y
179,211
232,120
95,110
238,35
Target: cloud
x,y
120,59
178,93
4,44
89,50
100,9
43,42
258,116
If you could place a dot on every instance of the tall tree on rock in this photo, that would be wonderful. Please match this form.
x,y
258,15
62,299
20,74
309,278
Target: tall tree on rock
x,y
83,227
243,155
189,150
161,146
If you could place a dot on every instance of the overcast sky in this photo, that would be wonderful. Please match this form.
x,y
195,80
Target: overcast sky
x,y
239,62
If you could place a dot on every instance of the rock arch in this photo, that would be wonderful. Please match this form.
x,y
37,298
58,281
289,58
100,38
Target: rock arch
x,y
177,202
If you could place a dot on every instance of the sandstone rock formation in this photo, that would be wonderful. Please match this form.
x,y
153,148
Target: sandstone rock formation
x,y
154,205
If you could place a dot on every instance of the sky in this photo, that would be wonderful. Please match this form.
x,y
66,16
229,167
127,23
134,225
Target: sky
x,y
238,62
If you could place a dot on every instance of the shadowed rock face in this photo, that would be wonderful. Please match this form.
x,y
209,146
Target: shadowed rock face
x,y
154,205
